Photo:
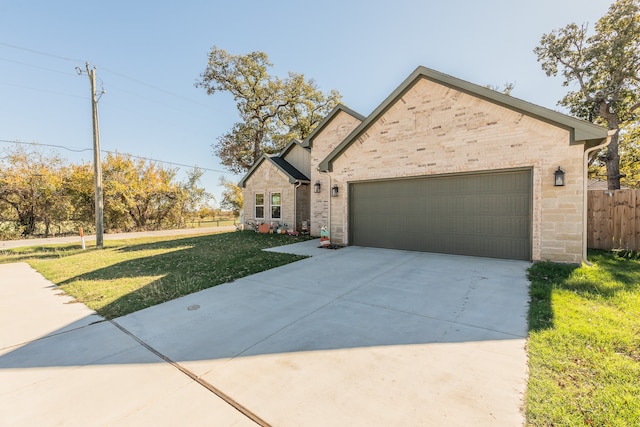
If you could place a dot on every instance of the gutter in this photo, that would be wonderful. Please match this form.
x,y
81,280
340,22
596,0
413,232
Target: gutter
x,y
295,205
329,201
585,192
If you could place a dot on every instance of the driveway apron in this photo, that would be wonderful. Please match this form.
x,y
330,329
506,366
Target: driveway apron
x,y
355,336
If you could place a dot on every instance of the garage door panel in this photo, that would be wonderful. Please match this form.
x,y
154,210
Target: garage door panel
x,y
482,214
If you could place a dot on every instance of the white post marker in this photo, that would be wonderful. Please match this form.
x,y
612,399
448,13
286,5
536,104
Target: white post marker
x,y
84,247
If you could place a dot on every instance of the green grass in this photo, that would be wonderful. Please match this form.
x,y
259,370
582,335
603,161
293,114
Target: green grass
x,y
129,275
212,223
584,343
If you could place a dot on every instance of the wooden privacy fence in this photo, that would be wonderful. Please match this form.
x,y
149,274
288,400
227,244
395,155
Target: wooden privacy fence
x,y
613,219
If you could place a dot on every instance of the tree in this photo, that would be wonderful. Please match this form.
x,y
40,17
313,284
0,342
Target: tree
x,y
138,195
80,190
191,197
232,198
605,68
629,148
506,89
32,186
272,110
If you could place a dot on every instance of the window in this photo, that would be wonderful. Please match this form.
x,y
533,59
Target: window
x,y
275,205
259,205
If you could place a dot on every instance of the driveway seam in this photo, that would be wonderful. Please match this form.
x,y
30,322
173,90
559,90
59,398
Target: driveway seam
x,y
207,385
51,335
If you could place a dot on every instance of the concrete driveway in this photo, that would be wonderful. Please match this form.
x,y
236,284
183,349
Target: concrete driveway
x,y
350,337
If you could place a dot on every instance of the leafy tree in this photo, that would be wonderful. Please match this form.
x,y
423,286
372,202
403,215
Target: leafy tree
x,y
604,68
31,185
191,198
506,89
138,195
272,110
80,190
629,158
232,198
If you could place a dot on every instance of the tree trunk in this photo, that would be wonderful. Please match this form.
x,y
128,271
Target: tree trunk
x,y
612,158
28,221
612,161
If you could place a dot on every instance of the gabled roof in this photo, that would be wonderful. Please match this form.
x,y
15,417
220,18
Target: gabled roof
x,y
289,170
337,109
580,130
290,146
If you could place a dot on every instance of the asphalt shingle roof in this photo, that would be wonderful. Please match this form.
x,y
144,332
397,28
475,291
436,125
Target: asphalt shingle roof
x,y
289,168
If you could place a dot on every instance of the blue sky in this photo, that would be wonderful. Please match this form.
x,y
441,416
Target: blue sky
x,y
149,54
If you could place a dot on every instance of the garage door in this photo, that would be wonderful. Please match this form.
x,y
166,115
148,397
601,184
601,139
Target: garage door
x,y
486,214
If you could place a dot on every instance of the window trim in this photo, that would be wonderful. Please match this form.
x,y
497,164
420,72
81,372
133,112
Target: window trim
x,y
256,205
272,205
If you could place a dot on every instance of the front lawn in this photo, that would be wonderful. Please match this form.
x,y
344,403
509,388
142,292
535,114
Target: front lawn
x,y
584,343
129,275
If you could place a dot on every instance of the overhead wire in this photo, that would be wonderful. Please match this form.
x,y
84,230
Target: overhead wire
x,y
75,150
140,82
114,73
44,90
41,53
66,73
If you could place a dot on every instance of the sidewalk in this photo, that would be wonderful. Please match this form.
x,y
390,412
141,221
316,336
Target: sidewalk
x,y
89,240
62,364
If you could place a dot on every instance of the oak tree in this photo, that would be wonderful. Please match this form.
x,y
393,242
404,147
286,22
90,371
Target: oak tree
x,y
604,69
272,110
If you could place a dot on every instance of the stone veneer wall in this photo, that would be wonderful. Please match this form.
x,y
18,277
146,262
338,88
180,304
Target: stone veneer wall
x,y
269,179
323,143
433,129
303,194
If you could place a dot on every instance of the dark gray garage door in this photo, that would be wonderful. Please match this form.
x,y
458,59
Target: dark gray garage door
x,y
486,214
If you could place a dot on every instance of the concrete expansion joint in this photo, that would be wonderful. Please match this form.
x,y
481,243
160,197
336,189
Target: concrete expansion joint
x,y
210,387
55,334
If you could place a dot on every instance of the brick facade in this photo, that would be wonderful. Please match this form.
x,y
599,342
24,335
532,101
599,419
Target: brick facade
x,y
433,125
267,179
332,134
434,129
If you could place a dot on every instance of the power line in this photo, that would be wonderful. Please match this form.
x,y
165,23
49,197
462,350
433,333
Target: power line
x,y
66,73
43,90
13,46
116,153
184,98
45,145
140,82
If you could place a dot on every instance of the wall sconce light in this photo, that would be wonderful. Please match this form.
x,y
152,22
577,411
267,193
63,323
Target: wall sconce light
x,y
316,187
558,178
334,191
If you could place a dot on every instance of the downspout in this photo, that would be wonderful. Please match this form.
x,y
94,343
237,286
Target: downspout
x,y
295,205
585,193
329,199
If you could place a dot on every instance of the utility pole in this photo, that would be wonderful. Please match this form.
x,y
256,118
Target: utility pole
x,y
97,164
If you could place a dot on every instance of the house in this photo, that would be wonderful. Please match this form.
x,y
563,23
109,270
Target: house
x,y
277,187
443,165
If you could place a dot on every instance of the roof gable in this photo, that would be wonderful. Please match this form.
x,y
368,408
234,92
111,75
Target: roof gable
x,y
580,130
293,174
308,141
298,156
290,146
